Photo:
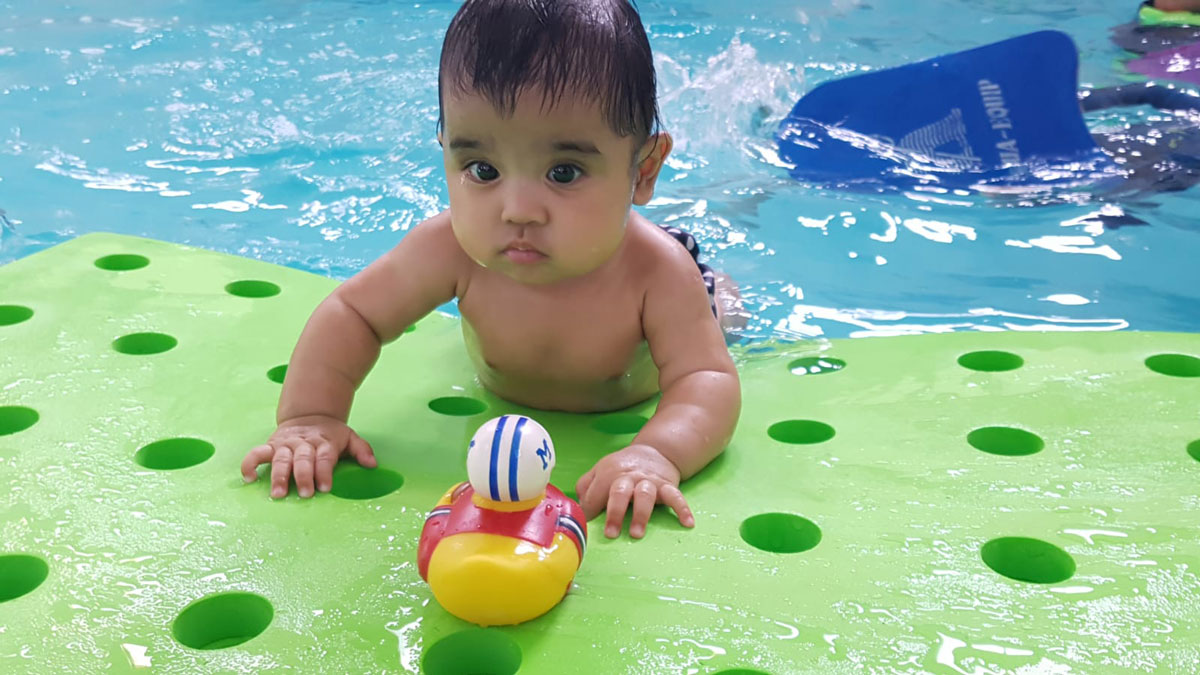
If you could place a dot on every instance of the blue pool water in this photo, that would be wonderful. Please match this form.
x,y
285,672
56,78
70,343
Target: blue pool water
x,y
303,134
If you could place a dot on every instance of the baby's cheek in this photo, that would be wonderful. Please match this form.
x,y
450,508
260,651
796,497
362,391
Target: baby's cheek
x,y
467,233
604,212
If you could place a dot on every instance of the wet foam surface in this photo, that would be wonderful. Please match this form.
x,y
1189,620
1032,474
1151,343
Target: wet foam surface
x,y
1004,502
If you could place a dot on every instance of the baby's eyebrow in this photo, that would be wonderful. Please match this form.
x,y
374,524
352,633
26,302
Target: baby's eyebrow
x,y
581,147
465,144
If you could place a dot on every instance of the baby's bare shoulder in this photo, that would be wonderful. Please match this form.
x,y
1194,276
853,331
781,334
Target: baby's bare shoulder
x,y
434,232
423,270
656,253
430,246
427,261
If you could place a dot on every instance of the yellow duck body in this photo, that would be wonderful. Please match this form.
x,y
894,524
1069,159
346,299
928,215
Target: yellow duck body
x,y
500,563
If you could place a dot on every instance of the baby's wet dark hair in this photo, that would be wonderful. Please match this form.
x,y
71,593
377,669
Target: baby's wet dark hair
x,y
500,49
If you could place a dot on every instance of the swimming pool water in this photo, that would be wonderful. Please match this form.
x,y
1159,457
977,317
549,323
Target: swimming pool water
x,y
303,134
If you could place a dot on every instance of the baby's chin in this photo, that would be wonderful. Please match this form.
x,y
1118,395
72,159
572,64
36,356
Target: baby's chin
x,y
543,274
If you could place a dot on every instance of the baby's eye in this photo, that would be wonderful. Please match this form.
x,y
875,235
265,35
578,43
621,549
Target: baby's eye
x,y
565,174
483,172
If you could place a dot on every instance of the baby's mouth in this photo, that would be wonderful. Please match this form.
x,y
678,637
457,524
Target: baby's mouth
x,y
522,253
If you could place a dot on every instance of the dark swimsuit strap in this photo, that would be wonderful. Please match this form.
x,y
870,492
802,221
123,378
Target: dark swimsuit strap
x,y
693,249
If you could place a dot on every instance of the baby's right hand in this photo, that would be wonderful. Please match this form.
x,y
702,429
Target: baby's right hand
x,y
306,447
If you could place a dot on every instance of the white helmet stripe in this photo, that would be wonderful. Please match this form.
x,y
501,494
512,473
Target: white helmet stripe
x,y
493,477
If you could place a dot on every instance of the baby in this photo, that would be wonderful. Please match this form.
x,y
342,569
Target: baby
x,y
569,299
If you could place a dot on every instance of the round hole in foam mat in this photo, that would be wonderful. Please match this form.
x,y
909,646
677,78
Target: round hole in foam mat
x,y
486,651
15,418
252,288
222,620
457,406
619,423
1008,441
991,361
1028,559
142,344
1193,449
816,365
13,314
1175,365
780,532
800,432
20,574
122,262
351,481
277,374
174,453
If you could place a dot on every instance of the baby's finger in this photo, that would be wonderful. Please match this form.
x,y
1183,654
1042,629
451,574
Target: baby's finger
x,y
645,495
672,497
254,458
281,471
302,468
326,459
584,482
361,451
591,501
618,503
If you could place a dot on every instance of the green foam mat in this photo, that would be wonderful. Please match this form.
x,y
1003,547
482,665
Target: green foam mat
x,y
1034,510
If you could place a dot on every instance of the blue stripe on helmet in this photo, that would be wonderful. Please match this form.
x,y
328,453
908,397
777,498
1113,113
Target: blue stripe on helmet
x,y
493,479
514,456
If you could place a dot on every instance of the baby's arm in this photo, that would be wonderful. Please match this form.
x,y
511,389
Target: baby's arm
x,y
701,400
340,344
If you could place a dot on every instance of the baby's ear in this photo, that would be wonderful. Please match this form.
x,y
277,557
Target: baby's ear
x,y
651,156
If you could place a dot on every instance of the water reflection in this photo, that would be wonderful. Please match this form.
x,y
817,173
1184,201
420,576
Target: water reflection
x,y
138,657
808,321
307,138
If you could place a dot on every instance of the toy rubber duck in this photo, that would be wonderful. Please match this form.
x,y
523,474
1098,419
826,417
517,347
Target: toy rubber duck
x,y
503,547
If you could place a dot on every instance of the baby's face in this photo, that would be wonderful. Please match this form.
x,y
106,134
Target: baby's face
x,y
541,196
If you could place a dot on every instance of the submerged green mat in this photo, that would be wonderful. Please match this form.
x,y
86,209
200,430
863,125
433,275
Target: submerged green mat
x,y
902,513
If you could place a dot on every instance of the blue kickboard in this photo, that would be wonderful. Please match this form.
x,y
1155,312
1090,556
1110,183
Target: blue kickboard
x,y
984,115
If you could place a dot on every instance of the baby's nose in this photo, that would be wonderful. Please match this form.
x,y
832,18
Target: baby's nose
x,y
523,204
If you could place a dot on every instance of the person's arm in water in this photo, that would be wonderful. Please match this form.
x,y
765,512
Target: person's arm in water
x,y
1177,5
339,345
701,401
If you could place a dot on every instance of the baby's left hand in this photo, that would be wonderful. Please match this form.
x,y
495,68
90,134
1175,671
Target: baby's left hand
x,y
640,474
